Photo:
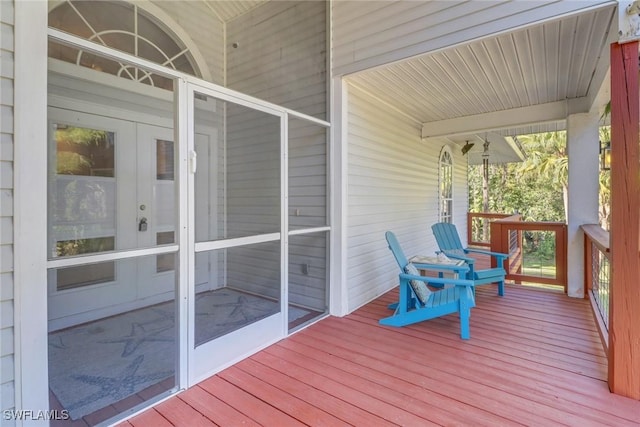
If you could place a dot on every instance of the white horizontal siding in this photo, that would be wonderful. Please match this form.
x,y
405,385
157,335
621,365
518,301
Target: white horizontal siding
x,y
252,199
7,387
308,270
392,185
205,29
369,34
281,55
255,269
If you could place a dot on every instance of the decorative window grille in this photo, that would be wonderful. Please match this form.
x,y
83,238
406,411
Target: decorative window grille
x,y
446,185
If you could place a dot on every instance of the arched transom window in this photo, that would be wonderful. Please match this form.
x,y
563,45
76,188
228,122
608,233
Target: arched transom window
x,y
445,179
123,26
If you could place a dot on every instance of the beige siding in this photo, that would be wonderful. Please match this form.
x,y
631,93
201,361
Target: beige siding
x,y
205,29
281,55
6,208
392,185
369,34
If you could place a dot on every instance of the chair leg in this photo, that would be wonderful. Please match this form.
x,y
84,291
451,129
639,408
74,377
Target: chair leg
x,y
501,288
464,309
465,314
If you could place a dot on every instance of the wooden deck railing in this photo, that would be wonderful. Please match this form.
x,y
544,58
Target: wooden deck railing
x,y
537,250
597,257
479,227
479,234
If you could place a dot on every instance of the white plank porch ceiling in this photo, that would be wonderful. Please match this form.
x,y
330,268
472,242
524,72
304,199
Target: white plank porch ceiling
x,y
546,71
556,61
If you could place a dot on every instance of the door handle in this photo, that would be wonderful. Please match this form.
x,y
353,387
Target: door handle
x,y
142,225
193,157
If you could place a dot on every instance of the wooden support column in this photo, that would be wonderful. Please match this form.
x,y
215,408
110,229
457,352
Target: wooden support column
x,y
624,298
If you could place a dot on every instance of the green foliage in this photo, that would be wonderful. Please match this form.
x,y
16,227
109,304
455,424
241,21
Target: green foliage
x,y
535,188
79,150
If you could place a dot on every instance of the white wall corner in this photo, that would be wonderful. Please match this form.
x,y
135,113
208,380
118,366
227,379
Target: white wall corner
x,y
583,156
30,224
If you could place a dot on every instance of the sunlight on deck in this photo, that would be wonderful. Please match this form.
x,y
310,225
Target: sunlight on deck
x,y
534,358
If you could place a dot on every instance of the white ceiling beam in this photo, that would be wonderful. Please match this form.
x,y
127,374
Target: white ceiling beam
x,y
504,119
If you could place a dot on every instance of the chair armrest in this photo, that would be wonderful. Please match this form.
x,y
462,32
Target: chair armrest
x,y
468,260
440,267
493,254
437,280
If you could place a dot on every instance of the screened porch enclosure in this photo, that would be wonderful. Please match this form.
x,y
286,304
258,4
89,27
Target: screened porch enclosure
x,y
187,228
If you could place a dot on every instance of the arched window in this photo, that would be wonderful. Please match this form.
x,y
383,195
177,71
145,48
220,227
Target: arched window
x,y
126,27
445,179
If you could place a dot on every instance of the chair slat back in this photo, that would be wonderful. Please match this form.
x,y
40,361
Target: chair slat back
x,y
397,251
447,236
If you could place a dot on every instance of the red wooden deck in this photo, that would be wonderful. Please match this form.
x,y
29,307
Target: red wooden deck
x,y
534,358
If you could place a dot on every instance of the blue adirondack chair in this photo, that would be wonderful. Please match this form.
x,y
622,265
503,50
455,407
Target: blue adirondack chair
x,y
449,242
418,303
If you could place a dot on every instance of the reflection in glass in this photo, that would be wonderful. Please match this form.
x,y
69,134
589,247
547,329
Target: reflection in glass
x,y
75,277
83,151
164,160
165,262
85,275
83,199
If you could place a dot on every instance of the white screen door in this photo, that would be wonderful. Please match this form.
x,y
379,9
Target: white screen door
x,y
235,247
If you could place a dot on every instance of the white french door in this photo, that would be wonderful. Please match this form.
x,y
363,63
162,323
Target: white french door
x,y
123,199
156,208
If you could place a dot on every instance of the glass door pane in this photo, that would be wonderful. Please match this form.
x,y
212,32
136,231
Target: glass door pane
x,y
83,199
112,248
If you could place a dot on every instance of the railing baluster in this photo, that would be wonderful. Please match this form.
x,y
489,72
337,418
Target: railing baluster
x,y
598,282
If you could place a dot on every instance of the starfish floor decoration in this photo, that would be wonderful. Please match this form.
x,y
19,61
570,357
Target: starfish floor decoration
x,y
138,336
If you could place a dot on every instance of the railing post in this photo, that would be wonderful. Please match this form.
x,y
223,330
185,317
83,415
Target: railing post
x,y
561,251
588,266
624,328
469,228
496,240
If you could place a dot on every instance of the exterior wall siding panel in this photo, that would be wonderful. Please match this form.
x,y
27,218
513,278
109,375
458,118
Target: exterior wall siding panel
x,y
7,393
280,56
371,34
204,28
392,185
